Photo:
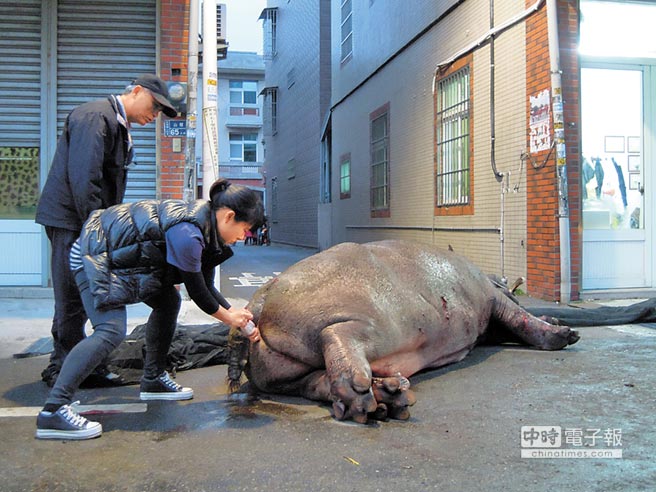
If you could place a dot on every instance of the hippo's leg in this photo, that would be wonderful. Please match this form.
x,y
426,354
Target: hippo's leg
x,y
272,371
529,329
346,347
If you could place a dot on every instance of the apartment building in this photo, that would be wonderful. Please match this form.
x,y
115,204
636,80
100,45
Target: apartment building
x,y
489,128
297,96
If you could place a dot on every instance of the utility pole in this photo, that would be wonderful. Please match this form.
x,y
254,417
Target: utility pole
x,y
210,98
189,191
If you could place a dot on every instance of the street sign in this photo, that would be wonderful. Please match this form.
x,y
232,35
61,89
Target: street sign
x,y
175,128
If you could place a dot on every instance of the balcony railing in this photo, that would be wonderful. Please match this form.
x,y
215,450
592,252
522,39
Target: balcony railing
x,y
240,170
244,116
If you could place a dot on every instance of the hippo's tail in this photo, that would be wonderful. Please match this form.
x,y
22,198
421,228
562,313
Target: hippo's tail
x,y
237,357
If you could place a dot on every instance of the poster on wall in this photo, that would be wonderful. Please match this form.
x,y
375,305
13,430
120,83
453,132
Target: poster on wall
x,y
540,134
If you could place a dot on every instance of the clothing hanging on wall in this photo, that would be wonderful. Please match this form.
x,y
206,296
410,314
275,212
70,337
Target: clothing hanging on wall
x,y
620,178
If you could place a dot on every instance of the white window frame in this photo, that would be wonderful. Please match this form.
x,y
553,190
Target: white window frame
x,y
242,142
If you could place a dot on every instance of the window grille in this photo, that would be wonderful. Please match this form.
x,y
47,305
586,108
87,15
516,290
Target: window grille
x,y
452,138
380,162
270,17
346,29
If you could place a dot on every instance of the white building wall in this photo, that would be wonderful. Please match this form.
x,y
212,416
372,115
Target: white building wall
x,y
239,66
405,83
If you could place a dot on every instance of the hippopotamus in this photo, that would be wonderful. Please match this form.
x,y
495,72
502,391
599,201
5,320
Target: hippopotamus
x,y
351,324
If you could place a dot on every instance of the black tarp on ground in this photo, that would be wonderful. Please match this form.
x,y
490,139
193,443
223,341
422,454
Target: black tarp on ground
x,y
641,312
193,346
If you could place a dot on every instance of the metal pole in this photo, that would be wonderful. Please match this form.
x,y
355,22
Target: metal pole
x,y
189,191
561,155
210,98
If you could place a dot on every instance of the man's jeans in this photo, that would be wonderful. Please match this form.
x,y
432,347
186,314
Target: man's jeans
x,y
69,319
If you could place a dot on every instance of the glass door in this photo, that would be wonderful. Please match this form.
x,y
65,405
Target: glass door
x,y
613,179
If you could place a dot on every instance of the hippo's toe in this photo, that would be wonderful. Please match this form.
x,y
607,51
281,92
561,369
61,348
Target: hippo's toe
x,y
396,394
573,337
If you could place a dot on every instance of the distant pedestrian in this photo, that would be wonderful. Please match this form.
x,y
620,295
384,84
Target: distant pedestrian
x,y
88,172
138,252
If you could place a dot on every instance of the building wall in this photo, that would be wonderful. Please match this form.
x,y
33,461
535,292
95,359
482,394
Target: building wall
x,y
295,71
568,33
174,35
405,82
373,41
543,247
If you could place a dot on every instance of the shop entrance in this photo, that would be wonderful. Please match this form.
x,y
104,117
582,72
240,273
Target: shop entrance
x,y
618,93
615,222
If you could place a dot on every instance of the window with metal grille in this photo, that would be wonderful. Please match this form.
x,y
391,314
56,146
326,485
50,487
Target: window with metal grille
x,y
271,95
453,174
274,198
379,150
291,168
346,29
270,18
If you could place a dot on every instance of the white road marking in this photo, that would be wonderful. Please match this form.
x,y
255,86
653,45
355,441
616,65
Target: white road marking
x,y
249,279
638,330
83,409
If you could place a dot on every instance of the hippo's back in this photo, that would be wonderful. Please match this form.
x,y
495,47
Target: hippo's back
x,y
401,288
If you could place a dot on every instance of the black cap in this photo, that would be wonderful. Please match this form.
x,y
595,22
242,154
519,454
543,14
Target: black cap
x,y
160,92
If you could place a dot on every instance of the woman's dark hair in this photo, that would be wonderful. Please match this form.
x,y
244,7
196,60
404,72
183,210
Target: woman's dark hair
x,y
243,201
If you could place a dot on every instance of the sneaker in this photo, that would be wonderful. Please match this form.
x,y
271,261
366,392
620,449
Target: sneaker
x,y
164,388
65,423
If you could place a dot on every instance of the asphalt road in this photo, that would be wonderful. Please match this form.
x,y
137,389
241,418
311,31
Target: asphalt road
x,y
465,433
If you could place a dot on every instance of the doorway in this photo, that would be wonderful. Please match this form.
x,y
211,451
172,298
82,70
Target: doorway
x,y
618,91
616,223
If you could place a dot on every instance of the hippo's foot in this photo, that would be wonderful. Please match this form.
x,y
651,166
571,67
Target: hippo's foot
x,y
388,397
394,396
558,338
352,398
531,330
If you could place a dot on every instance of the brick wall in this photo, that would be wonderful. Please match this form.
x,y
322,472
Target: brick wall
x,y
174,30
568,23
543,238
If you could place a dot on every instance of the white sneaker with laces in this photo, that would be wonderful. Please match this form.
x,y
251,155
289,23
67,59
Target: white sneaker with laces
x,y
66,423
164,388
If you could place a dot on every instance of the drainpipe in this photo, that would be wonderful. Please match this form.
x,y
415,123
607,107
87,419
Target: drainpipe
x,y
498,175
561,155
190,178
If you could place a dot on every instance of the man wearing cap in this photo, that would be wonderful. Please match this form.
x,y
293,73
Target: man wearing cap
x,y
89,172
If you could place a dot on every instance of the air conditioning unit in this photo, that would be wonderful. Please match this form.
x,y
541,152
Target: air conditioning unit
x,y
221,44
220,23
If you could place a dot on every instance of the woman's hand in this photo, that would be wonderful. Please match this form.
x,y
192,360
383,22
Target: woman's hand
x,y
241,318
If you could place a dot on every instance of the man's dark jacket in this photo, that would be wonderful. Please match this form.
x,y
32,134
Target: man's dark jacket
x,y
89,169
124,248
